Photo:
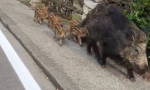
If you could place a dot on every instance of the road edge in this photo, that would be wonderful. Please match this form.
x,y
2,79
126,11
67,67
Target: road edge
x,y
54,73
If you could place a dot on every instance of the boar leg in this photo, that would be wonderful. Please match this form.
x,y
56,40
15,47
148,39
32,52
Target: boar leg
x,y
130,75
99,54
89,46
103,61
95,49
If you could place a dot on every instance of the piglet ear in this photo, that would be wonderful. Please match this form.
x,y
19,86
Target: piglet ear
x,y
61,25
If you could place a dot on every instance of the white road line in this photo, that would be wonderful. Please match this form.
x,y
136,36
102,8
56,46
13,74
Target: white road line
x,y
24,75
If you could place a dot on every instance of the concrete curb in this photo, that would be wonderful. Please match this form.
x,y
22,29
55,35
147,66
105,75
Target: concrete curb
x,y
54,73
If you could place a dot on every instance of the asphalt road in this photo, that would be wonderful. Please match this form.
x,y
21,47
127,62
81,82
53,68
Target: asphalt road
x,y
9,78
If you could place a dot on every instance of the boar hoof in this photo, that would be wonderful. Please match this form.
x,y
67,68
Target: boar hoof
x,y
89,53
103,66
132,79
81,45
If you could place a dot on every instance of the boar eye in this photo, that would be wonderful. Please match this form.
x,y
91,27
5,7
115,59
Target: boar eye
x,y
134,52
137,51
141,41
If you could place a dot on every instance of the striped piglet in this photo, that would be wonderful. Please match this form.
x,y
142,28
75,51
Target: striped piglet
x,y
77,32
41,14
59,29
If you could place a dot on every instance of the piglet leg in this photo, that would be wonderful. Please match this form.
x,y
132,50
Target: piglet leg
x,y
79,40
60,42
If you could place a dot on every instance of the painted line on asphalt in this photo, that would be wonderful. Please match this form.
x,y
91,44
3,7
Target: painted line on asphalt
x,y
24,75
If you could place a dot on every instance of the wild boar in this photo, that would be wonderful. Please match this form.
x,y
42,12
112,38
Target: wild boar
x,y
111,34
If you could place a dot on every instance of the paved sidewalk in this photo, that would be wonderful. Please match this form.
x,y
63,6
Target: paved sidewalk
x,y
79,71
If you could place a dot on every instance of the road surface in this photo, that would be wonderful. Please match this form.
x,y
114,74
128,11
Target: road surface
x,y
10,78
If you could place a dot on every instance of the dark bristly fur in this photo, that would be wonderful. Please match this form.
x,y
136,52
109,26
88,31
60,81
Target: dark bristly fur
x,y
116,36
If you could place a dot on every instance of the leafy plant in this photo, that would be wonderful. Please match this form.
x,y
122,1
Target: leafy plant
x,y
140,15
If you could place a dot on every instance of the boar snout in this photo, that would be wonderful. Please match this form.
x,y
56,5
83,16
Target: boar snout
x,y
137,57
140,69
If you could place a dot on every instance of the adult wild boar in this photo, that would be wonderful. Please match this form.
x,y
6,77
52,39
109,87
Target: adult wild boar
x,y
117,38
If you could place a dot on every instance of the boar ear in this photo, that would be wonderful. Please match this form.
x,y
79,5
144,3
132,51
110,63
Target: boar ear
x,y
133,38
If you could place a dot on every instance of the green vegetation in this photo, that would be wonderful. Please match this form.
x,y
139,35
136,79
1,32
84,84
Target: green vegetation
x,y
140,14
